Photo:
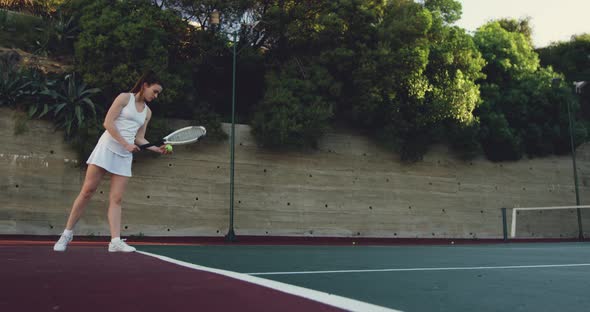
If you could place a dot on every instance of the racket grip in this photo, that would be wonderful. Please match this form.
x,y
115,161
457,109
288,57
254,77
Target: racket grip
x,y
144,146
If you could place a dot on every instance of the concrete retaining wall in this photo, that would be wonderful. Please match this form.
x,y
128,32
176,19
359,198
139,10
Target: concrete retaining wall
x,y
349,187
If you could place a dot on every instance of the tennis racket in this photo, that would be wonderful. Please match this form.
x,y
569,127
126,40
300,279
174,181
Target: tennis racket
x,y
182,136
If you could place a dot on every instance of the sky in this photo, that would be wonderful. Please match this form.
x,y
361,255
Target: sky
x,y
551,20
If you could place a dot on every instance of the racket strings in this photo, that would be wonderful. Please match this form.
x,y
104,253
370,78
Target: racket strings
x,y
186,135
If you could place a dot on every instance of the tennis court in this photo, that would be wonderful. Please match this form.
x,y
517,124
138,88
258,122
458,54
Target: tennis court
x,y
294,156
243,277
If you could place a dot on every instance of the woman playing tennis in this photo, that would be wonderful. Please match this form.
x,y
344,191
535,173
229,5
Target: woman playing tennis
x,y
125,123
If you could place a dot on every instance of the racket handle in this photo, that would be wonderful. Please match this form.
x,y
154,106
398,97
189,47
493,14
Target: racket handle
x,y
144,146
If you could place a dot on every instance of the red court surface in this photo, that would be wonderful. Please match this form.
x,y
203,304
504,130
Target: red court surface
x,y
88,278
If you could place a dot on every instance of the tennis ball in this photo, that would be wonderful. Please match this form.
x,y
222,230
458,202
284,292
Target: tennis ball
x,y
168,147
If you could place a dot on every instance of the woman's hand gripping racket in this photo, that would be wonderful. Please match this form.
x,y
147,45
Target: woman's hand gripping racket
x,y
182,136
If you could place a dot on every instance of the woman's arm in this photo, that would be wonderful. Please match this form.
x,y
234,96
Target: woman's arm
x,y
109,121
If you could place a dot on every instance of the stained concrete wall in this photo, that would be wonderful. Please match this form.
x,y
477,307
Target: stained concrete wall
x,y
348,187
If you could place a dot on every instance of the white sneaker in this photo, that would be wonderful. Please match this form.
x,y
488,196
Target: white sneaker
x,y
63,242
120,246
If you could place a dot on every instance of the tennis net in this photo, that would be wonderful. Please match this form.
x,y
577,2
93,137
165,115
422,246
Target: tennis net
x,y
550,222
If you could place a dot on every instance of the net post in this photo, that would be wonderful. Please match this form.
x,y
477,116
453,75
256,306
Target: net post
x,y
513,221
580,229
504,225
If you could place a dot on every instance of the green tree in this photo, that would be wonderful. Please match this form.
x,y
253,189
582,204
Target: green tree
x,y
121,39
572,58
521,26
509,55
522,111
403,70
449,10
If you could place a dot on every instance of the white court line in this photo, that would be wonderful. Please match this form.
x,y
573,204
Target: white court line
x,y
318,296
430,269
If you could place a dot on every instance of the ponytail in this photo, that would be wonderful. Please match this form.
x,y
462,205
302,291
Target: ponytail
x,y
148,77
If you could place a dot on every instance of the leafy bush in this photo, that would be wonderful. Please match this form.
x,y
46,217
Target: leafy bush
x,y
13,85
3,20
499,141
61,31
36,7
73,105
36,102
204,115
295,111
464,140
20,30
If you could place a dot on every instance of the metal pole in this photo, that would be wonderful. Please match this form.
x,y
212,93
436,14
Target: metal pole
x,y
231,236
504,226
579,212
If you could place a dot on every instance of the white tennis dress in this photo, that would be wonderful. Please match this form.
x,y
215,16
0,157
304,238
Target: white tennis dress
x,y
110,154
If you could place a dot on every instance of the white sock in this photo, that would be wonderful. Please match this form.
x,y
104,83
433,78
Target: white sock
x,y
68,232
115,239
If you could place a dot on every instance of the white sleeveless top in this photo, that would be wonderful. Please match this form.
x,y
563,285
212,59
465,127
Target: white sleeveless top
x,y
128,122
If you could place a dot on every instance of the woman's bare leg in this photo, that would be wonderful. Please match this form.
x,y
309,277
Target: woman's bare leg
x,y
93,177
118,186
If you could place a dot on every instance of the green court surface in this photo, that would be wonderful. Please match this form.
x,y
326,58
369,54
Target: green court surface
x,y
498,277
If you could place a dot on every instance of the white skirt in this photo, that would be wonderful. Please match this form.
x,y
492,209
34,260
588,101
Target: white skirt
x,y
114,163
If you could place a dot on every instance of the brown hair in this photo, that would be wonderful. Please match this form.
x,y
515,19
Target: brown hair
x,y
148,77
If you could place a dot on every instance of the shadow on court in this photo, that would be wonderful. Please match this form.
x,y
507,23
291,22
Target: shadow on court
x,y
88,278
